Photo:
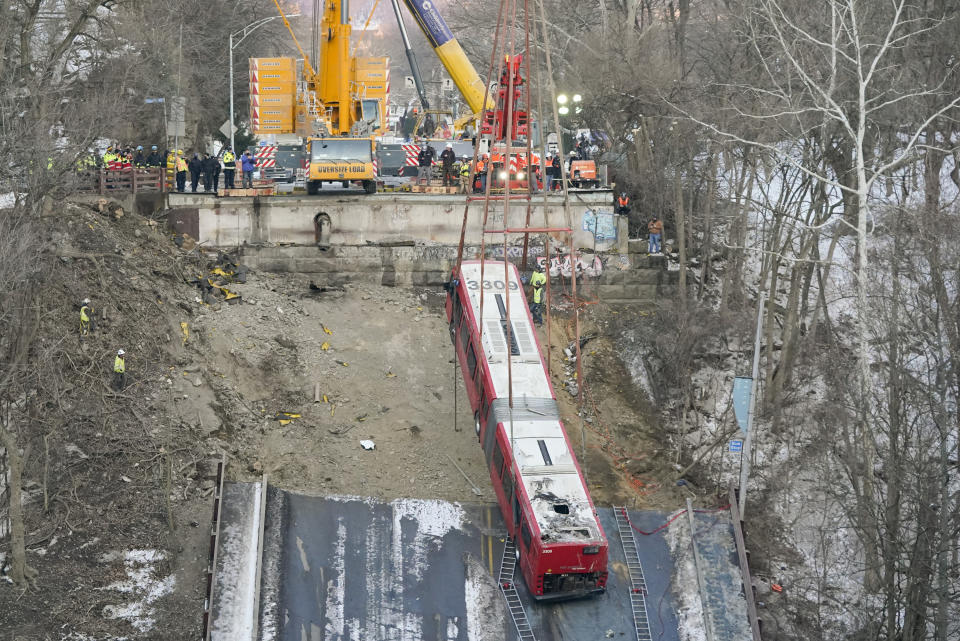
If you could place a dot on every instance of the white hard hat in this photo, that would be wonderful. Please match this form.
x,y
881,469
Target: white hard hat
x,y
120,352
449,145
86,301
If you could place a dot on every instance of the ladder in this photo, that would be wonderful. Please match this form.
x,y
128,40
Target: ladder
x,y
517,613
638,586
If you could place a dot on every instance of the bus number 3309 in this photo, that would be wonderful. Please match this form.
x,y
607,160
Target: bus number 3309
x,y
490,284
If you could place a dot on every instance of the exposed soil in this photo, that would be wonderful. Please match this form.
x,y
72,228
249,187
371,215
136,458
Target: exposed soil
x,y
208,379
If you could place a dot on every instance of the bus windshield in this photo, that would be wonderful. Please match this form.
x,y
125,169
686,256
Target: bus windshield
x,y
333,149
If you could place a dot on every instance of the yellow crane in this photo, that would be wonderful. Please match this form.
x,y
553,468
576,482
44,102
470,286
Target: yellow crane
x,y
341,104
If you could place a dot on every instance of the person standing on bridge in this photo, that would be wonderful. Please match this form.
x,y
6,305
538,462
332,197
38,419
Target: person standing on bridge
x,y
465,175
181,167
425,164
196,168
448,157
247,165
208,164
153,158
538,281
229,168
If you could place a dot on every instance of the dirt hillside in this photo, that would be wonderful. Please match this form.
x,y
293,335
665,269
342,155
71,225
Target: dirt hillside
x,y
122,546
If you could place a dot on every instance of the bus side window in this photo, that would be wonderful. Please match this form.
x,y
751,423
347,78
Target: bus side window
x,y
471,360
525,535
497,459
484,408
457,308
508,484
516,506
480,392
465,336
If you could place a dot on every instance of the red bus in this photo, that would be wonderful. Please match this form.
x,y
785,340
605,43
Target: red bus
x,y
538,483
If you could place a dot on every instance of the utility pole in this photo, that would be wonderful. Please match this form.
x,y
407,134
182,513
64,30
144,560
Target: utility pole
x,y
178,103
748,442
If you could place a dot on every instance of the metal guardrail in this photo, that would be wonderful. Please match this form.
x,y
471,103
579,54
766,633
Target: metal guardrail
x,y
744,565
214,544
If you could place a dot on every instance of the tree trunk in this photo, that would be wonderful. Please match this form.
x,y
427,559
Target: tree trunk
x,y
707,251
681,243
20,572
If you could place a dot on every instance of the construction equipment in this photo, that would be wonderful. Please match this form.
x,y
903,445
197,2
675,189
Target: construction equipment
x,y
450,53
341,105
453,58
583,174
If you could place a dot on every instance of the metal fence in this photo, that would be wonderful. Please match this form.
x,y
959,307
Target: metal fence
x,y
135,180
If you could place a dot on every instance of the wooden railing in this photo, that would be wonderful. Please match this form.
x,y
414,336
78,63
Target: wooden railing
x,y
134,180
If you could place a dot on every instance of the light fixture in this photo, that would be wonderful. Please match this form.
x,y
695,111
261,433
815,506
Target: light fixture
x,y
577,97
564,111
562,99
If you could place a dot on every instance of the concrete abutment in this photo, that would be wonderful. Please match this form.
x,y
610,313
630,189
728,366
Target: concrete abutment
x,y
407,239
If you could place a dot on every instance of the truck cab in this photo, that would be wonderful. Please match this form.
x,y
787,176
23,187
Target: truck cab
x,y
343,160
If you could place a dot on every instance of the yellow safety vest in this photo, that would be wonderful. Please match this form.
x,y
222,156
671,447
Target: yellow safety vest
x,y
181,164
538,278
229,160
83,314
118,365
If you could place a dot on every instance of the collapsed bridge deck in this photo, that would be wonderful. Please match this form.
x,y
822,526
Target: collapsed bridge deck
x,y
339,569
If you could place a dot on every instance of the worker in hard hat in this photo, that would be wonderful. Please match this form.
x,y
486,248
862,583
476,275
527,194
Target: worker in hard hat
x,y
154,159
538,281
120,371
86,317
181,168
447,158
465,175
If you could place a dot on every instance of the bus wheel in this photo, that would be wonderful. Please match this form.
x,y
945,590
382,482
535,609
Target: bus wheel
x,y
313,187
370,186
476,423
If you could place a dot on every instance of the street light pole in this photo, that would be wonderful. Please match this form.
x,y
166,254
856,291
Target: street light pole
x,y
243,33
748,444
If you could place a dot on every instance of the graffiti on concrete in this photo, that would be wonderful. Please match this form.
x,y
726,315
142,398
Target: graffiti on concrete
x,y
602,224
587,265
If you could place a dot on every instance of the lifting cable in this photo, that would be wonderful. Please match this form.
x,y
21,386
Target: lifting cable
x,y
500,60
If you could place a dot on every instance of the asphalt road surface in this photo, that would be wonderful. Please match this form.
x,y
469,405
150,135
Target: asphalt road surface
x,y
354,569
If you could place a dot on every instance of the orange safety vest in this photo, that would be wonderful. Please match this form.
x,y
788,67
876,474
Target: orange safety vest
x,y
480,166
623,202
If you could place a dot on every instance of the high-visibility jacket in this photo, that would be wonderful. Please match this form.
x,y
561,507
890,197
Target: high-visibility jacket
x,y
181,164
85,314
623,202
538,280
119,366
229,160
464,169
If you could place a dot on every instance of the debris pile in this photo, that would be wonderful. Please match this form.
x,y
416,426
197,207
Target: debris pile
x,y
220,273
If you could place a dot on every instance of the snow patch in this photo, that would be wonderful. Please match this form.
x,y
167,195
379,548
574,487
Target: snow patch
x,y
142,582
336,586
